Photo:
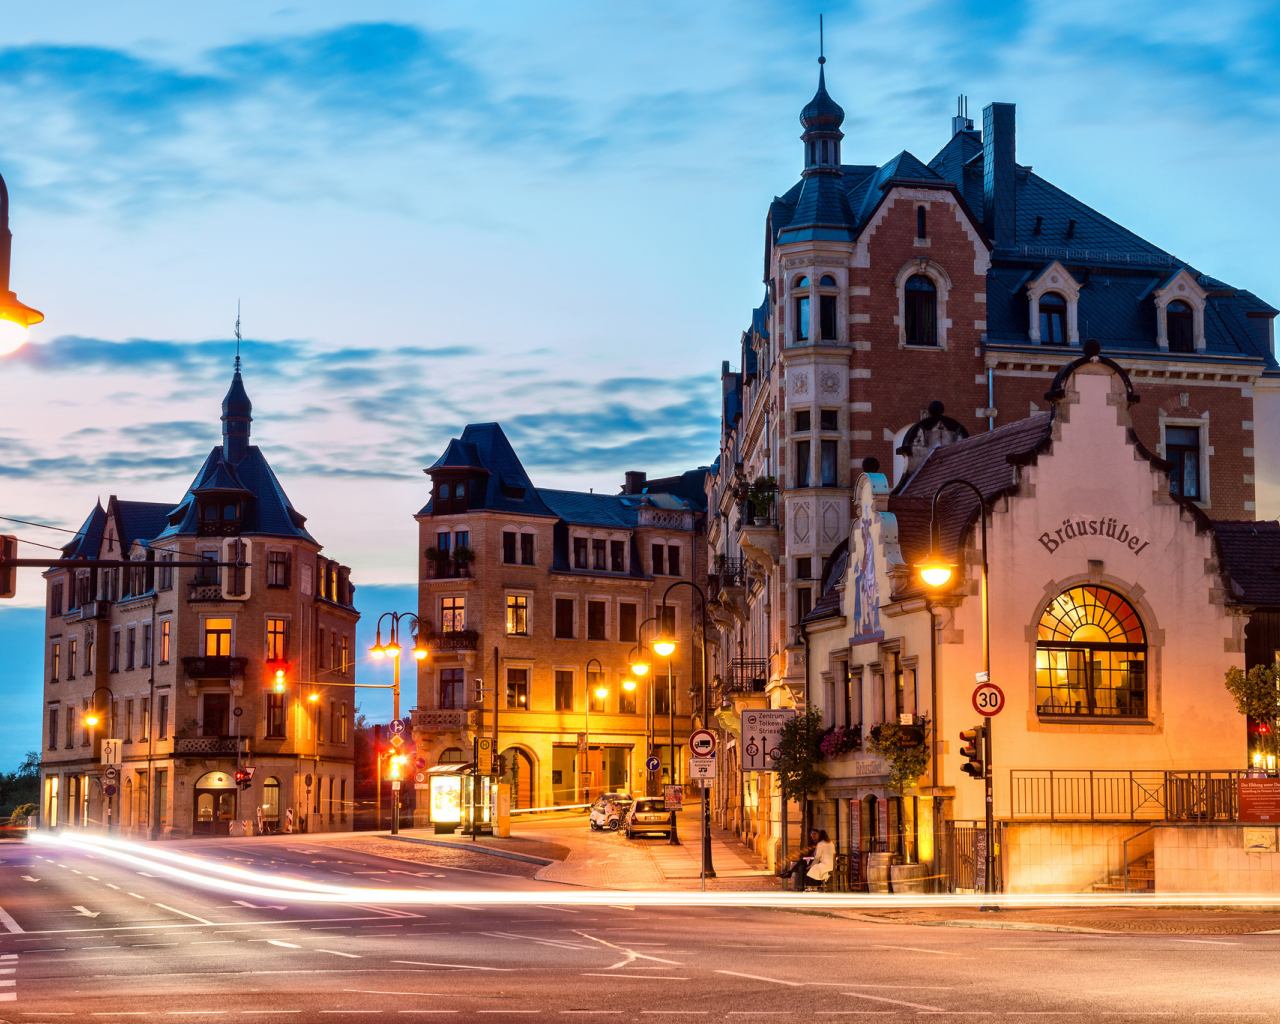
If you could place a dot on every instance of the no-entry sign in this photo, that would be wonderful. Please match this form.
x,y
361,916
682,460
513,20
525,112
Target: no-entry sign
x,y
702,742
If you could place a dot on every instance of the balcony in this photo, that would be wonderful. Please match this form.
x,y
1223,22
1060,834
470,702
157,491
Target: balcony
x,y
449,569
214,667
759,536
747,675
453,640
730,574
94,610
204,590
210,746
442,719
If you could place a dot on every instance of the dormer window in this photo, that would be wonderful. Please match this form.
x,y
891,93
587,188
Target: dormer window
x,y
444,492
515,493
1180,326
211,513
1053,319
231,512
451,497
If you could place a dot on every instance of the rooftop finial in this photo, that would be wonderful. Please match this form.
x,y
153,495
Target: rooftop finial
x,y
822,49
237,335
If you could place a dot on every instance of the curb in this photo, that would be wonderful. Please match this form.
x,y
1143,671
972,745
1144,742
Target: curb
x,y
475,848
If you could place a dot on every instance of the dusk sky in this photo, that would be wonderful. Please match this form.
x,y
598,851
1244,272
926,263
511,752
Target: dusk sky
x,y
546,214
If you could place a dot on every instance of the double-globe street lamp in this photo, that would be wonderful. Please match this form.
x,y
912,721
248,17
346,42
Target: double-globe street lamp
x,y
936,571
91,719
666,645
392,649
601,691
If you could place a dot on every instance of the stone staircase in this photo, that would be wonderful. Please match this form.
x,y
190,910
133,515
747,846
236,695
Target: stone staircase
x,y
1142,877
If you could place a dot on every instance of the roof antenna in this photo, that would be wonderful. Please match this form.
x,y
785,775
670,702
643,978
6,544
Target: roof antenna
x,y
237,335
822,55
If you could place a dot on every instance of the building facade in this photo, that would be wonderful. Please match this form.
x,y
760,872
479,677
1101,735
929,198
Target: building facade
x,y
552,594
953,291
181,665
1116,608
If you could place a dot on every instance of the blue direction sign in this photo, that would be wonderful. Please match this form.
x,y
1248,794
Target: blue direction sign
x,y
652,763
397,725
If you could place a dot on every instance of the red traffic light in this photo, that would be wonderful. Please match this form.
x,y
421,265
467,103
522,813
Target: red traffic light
x,y
972,751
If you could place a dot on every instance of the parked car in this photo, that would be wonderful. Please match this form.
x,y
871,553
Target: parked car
x,y
648,816
600,820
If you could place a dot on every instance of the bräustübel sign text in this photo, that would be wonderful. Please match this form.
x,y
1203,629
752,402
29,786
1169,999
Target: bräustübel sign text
x,y
1075,527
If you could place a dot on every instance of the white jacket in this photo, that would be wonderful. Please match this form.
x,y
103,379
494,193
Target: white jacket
x,y
824,859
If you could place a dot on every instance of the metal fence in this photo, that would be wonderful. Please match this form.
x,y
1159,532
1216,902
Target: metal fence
x,y
965,865
1091,795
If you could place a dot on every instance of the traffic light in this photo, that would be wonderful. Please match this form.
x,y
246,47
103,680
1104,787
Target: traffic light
x,y
244,777
396,767
279,680
8,576
972,750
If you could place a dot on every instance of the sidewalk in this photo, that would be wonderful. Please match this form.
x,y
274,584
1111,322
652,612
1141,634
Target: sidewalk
x,y
611,861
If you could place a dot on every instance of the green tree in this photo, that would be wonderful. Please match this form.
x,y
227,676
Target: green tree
x,y
22,786
907,758
1257,694
800,753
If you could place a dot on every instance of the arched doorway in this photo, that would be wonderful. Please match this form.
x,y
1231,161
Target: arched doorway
x,y
215,804
519,776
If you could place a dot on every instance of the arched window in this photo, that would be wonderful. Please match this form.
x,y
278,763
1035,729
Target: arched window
x,y
444,492
1091,656
450,755
921,231
230,512
920,307
271,802
1053,319
827,281
1180,327
801,282
211,512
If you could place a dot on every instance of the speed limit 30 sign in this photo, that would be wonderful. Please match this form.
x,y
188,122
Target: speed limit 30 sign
x,y
988,699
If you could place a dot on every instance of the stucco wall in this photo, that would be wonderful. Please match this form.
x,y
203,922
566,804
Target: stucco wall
x,y
1215,860
1067,857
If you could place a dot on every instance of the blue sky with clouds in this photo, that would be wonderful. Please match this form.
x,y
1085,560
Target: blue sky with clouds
x,y
547,214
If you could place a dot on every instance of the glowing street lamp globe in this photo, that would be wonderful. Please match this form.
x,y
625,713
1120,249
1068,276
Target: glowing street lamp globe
x,y
640,667
378,652
629,684
91,718
665,645
935,570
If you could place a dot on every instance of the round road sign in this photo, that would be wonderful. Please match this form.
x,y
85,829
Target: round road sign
x,y
397,725
110,774
988,699
702,742
420,777
109,790
652,763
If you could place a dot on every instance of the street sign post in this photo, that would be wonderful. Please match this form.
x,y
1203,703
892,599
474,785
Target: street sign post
x,y
112,753
702,743
651,763
484,756
703,769
397,725
988,699
110,773
761,735
109,790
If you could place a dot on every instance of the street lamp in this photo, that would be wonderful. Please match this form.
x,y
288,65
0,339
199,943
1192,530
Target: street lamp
x,y
91,719
391,649
669,641
602,692
936,572
15,317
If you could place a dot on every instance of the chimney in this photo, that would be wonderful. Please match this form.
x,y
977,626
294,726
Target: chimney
x,y
961,122
635,482
999,207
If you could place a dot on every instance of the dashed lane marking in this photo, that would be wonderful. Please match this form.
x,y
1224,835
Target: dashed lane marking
x,y
897,1002
914,949
335,952
645,977
182,912
460,967
287,945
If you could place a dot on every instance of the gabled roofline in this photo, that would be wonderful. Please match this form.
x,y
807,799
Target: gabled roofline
x,y
942,186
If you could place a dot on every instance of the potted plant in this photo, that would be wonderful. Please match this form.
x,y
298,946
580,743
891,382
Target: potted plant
x,y
761,495
905,748
439,559
464,556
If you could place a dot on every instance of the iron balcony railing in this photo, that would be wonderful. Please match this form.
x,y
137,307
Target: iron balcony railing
x,y
453,640
731,572
204,590
211,746
214,667
1116,795
747,675
447,719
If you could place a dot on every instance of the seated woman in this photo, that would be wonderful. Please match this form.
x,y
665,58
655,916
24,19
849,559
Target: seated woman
x,y
824,859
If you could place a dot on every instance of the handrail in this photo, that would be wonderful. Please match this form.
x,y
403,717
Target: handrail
x,y
1125,854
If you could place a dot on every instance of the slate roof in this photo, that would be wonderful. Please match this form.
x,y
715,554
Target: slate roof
x,y
831,603
89,537
484,447
1251,557
1117,268
140,520
984,460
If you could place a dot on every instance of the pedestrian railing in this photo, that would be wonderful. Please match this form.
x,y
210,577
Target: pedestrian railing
x,y
1118,795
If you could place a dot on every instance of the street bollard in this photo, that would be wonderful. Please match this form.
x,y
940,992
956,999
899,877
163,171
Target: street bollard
x,y
675,839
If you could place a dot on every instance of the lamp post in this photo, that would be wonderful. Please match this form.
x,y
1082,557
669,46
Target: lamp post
x,y
602,691
391,649
936,572
15,317
707,870
91,719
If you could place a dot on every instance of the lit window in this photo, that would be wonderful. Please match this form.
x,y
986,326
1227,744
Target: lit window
x,y
217,638
453,614
517,615
165,625
1091,656
275,640
517,688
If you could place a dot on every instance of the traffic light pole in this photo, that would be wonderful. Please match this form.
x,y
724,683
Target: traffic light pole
x,y
986,721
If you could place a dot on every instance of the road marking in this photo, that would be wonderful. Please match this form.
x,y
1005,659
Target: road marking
x,y
122,1013
183,913
187,1013
460,967
212,942
898,1002
353,956
756,977
696,1013
590,1011
1208,942
139,897
508,1011
646,977
28,878
287,945
85,911
9,923
455,1011
109,885
94,877
913,949
136,944
145,875
759,1013
562,909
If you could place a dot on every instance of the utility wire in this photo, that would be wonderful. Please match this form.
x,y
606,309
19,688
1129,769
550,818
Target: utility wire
x,y
46,526
33,543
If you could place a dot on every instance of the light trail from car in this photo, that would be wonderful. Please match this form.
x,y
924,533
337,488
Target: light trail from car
x,y
242,881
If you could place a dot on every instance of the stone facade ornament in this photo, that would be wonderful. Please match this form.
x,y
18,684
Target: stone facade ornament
x,y
800,384
829,382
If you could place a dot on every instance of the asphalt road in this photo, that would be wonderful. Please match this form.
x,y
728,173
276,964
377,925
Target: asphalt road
x,y
83,938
